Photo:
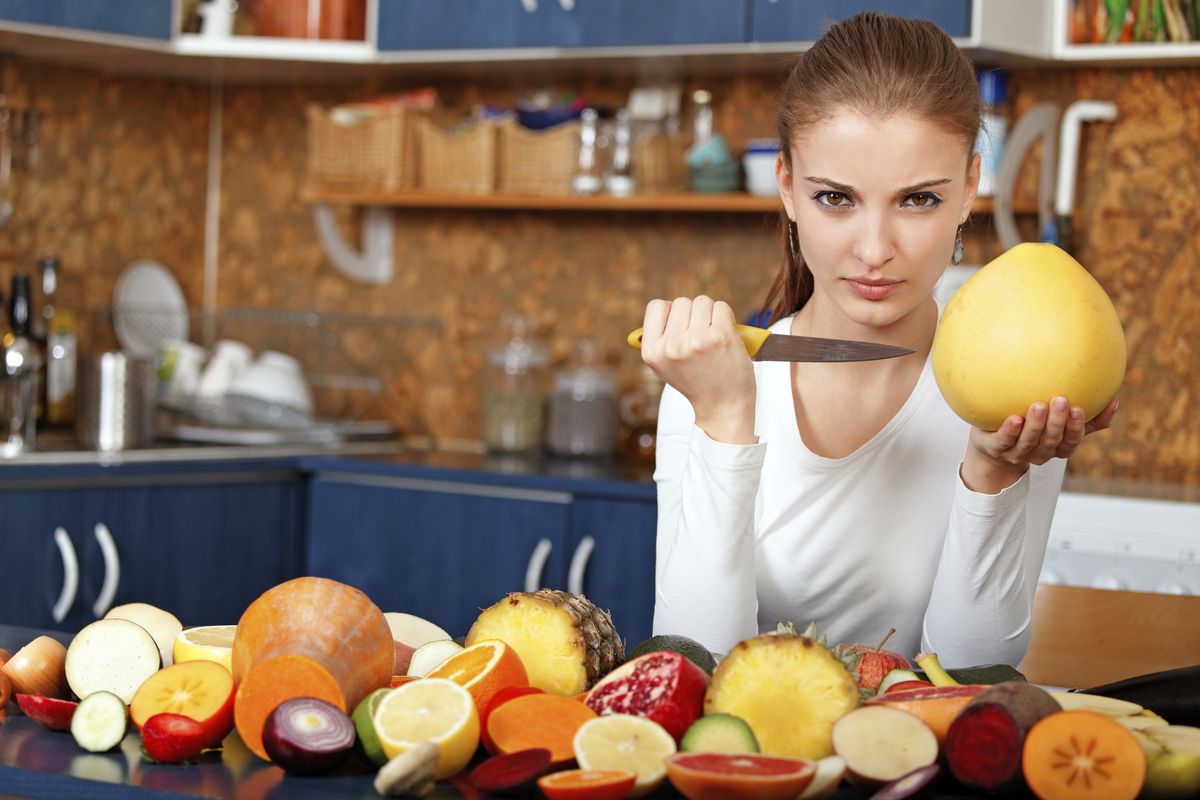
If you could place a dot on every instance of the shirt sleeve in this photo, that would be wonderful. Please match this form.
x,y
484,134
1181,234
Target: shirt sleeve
x,y
981,606
704,564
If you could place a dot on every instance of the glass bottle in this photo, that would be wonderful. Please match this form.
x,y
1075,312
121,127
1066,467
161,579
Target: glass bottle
x,y
702,118
23,361
618,180
514,402
583,408
586,179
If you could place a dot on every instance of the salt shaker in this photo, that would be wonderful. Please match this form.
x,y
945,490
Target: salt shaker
x,y
586,179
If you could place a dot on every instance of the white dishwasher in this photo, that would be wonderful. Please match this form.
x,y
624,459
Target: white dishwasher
x,y
1130,543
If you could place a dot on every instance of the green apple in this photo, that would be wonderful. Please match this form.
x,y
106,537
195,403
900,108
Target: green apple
x,y
1172,762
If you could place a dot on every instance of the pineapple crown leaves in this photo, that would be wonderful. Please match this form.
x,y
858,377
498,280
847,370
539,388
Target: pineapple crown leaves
x,y
848,658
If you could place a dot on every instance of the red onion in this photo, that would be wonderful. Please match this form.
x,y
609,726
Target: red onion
x,y
307,736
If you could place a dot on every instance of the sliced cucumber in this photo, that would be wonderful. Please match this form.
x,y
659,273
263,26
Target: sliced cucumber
x,y
719,733
896,676
100,722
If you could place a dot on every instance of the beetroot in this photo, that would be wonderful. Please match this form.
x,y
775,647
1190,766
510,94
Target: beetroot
x,y
307,736
513,774
662,686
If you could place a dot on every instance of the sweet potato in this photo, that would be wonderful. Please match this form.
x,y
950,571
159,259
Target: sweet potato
x,y
538,720
1080,755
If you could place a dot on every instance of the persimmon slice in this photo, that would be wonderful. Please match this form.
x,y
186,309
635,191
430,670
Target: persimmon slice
x,y
1082,755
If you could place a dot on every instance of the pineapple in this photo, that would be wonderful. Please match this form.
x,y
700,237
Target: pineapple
x,y
565,642
789,688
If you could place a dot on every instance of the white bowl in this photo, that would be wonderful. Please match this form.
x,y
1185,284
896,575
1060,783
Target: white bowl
x,y
272,392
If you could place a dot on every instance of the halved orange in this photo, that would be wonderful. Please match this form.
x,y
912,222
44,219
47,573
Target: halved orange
x,y
587,784
483,669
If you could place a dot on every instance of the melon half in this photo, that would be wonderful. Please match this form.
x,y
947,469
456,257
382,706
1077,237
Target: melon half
x,y
1030,326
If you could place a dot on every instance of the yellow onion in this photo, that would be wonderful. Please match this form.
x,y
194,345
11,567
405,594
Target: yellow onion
x,y
39,668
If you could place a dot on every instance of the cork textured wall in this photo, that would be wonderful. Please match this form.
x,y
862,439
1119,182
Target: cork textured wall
x,y
125,173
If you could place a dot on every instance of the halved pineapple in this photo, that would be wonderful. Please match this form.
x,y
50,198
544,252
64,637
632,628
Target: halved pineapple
x,y
790,689
565,642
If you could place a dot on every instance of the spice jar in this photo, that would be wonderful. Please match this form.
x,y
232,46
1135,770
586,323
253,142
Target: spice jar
x,y
583,407
514,402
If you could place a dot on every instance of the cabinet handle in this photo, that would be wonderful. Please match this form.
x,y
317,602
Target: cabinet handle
x,y
66,597
112,570
583,551
530,6
537,563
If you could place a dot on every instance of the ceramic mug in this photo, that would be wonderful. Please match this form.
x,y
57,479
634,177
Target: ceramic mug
x,y
229,359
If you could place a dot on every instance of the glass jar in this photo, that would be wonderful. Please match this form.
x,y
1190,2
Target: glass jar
x,y
639,413
514,401
583,408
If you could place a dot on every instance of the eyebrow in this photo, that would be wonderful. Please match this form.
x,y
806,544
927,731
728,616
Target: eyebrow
x,y
847,189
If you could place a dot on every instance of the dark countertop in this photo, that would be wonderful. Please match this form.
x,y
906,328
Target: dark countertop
x,y
36,762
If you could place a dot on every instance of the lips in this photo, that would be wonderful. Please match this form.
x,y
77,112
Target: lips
x,y
873,289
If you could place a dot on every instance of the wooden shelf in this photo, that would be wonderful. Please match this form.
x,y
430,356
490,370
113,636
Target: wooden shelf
x,y
690,202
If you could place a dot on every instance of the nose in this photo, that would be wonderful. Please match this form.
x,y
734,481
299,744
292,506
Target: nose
x,y
875,245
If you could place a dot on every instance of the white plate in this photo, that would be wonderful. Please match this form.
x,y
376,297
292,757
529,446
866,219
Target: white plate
x,y
148,308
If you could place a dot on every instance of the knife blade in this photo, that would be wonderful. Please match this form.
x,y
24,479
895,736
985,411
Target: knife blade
x,y
762,345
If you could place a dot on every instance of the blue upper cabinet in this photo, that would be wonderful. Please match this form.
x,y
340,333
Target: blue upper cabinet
x,y
150,19
806,20
501,24
463,24
631,23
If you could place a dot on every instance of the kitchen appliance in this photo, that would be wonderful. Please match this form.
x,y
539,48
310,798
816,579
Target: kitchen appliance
x,y
116,402
762,345
1130,543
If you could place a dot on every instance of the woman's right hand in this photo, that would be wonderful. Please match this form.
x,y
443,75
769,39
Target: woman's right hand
x,y
692,344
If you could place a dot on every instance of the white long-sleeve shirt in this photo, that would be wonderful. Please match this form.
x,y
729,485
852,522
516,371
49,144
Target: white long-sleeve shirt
x,y
888,536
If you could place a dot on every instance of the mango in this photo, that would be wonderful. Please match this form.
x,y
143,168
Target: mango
x,y
1030,326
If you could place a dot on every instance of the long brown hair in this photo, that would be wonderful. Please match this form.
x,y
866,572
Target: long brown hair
x,y
877,65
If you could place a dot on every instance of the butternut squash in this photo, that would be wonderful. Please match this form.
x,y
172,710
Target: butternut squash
x,y
307,637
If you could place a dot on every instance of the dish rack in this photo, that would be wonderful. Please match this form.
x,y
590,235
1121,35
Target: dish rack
x,y
339,355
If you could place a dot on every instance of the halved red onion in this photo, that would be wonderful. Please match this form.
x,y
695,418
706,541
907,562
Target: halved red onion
x,y
307,736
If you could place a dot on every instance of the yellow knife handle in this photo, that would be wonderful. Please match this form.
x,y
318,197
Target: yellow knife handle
x,y
752,338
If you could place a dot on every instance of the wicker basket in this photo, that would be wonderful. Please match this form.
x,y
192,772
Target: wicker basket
x,y
378,152
659,165
537,162
462,162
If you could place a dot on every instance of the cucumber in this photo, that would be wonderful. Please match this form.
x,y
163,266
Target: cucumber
x,y
100,722
719,733
990,673
1173,694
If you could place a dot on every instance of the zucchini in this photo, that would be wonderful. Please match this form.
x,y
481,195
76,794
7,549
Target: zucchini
x,y
990,673
1173,694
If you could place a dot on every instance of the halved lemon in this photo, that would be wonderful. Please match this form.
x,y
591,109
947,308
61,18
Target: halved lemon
x,y
483,669
206,643
434,710
625,742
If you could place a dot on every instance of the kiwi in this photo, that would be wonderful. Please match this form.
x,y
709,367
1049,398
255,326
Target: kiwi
x,y
719,733
690,649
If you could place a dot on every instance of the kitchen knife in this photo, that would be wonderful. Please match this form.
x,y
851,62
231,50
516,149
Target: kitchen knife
x,y
762,345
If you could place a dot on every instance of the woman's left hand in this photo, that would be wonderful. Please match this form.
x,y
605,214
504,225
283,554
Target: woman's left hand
x,y
1047,431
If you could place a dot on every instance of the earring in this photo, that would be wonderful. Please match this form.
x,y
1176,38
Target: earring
x,y
958,247
793,240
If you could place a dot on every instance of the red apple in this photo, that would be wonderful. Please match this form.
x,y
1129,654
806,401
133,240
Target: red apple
x,y
55,714
876,662
202,690
172,738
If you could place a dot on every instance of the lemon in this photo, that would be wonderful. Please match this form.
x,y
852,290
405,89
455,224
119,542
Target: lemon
x,y
207,643
623,741
434,710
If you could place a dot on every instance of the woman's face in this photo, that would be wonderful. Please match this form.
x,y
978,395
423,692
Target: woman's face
x,y
876,204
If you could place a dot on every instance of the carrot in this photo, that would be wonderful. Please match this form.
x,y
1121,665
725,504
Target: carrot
x,y
538,720
1082,755
308,637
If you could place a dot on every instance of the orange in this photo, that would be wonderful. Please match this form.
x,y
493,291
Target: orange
x,y
483,669
587,784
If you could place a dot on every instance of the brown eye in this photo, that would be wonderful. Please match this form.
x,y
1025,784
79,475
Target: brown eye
x,y
923,200
833,199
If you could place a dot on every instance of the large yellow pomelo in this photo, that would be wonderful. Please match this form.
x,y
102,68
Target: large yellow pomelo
x,y
1030,326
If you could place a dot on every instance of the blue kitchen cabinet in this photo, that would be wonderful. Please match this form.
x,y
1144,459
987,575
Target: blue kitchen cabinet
x,y
463,24
39,539
505,24
150,19
442,550
200,548
613,560
202,551
806,20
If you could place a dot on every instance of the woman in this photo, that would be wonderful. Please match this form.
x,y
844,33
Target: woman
x,y
850,493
